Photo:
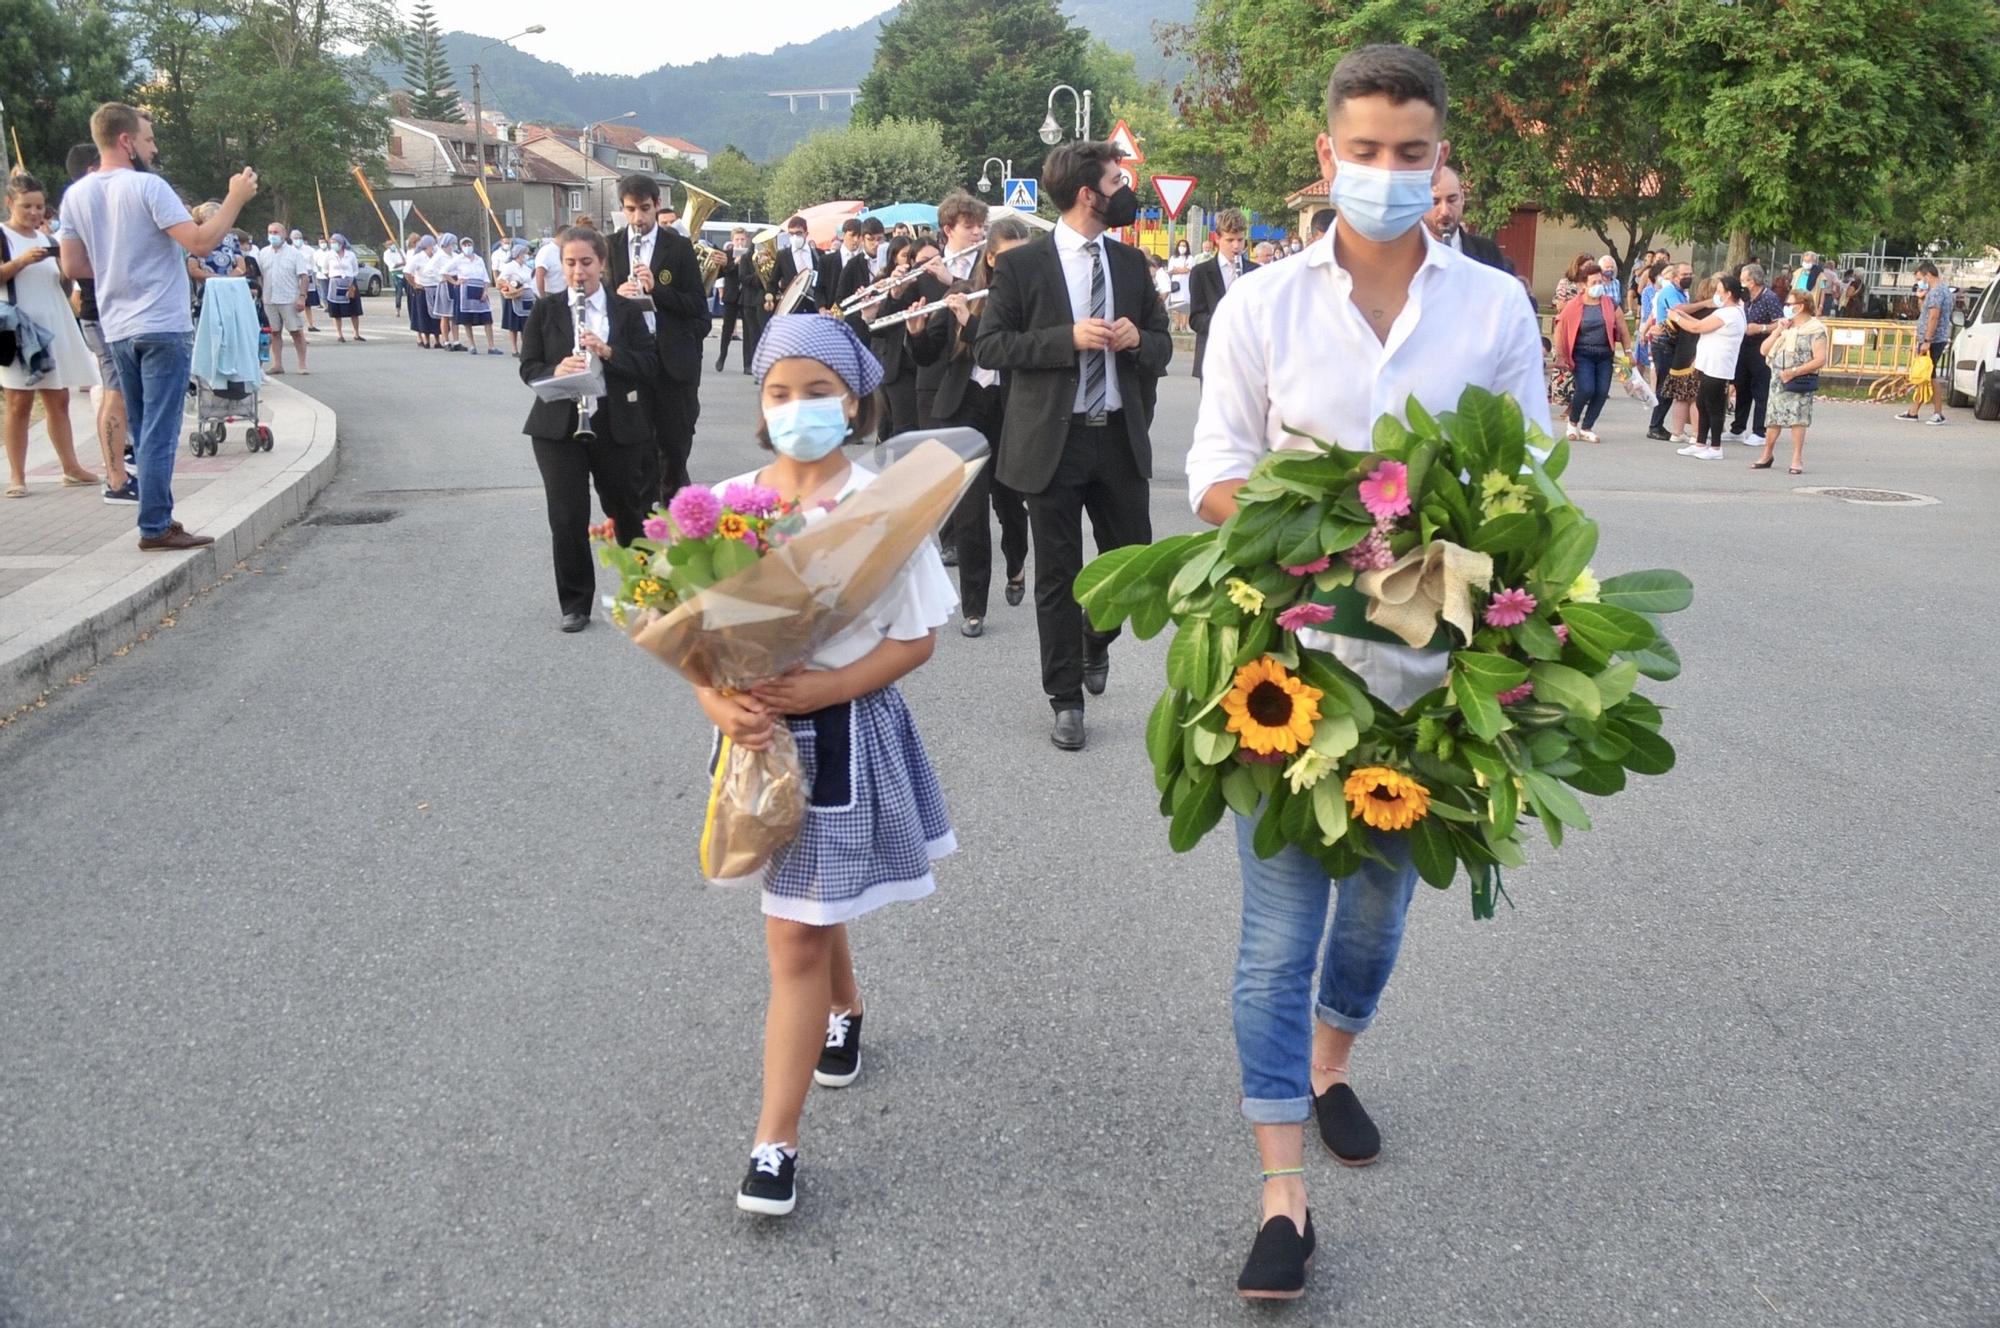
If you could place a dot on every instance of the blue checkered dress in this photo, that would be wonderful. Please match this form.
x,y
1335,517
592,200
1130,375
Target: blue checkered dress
x,y
877,817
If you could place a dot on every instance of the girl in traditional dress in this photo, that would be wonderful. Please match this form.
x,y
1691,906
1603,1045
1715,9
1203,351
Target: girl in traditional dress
x,y
316,292
443,283
343,288
418,274
876,820
475,308
515,281
31,279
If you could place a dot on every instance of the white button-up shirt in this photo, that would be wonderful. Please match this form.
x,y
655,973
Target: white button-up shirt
x,y
1074,251
641,248
597,315
1290,349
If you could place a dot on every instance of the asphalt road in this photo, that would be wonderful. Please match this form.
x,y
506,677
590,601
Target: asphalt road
x,y
354,968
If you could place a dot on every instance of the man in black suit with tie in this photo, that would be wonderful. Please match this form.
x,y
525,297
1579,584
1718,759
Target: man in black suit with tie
x,y
753,300
1445,221
1208,282
667,275
795,255
615,449
1076,325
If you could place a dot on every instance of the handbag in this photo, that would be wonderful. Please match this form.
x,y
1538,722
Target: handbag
x,y
10,340
1803,384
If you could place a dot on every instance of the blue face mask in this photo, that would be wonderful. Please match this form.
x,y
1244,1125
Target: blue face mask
x,y
808,428
1381,204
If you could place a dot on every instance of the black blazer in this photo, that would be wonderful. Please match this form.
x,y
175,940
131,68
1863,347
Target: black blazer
x,y
937,346
732,283
750,283
787,271
1482,250
1025,331
625,415
1205,291
854,274
680,304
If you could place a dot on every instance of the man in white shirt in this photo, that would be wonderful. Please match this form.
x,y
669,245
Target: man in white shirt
x,y
287,273
548,268
1373,314
392,264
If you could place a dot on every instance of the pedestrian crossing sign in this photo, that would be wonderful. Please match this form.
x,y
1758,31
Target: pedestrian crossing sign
x,y
1022,195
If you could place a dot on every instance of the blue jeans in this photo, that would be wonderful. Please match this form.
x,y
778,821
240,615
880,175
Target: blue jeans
x,y
1284,919
153,370
1593,385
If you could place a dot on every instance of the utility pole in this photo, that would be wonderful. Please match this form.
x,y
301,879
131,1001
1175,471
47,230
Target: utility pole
x,y
479,165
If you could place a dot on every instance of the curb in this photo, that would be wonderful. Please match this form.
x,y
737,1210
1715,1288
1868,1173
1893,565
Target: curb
x,y
104,601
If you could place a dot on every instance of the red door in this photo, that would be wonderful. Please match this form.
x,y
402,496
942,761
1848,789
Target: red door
x,y
1517,240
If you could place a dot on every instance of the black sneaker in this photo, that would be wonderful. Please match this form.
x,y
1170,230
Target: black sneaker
x,y
1659,435
1279,1261
128,494
1344,1127
840,1063
770,1186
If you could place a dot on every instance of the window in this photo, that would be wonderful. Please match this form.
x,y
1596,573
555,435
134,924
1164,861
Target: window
x,y
575,201
395,145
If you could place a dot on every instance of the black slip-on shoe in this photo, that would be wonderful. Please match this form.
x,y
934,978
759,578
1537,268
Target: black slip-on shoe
x,y
1017,590
1344,1127
575,622
1068,732
1279,1261
1096,669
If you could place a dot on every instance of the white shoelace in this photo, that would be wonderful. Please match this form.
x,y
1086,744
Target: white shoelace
x,y
768,1158
836,1029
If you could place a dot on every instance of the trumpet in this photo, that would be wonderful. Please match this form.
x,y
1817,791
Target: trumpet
x,y
886,286
578,302
923,311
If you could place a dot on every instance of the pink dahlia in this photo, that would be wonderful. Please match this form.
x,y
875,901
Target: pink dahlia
x,y
1386,491
1516,695
1562,633
694,510
655,528
1371,554
1509,608
751,499
1313,568
1301,616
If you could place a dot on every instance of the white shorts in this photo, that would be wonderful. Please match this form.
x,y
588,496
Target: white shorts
x,y
285,317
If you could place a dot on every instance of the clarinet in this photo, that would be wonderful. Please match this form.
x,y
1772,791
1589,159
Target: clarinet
x,y
578,302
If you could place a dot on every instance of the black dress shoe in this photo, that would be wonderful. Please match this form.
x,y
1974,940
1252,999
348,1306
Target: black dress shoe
x,y
1659,435
972,627
575,622
1344,1127
1068,733
1279,1261
1017,589
1096,669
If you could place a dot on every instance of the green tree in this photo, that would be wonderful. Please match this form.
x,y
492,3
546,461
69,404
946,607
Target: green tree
x,y
982,69
426,72
61,65
737,180
893,161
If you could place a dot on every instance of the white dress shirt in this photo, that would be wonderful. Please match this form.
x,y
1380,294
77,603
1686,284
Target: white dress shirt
x,y
1232,268
1291,350
596,314
1074,251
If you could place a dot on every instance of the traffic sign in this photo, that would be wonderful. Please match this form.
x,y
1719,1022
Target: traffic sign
x,y
1023,195
1125,174
1175,190
1122,138
401,207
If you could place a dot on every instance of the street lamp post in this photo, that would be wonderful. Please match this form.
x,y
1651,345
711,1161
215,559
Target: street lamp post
x,y
1051,132
985,181
584,143
479,136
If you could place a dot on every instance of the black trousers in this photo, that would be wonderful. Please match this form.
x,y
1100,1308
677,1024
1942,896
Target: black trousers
x,y
1098,475
1711,402
1663,360
902,399
728,333
753,331
676,406
1753,386
971,532
569,467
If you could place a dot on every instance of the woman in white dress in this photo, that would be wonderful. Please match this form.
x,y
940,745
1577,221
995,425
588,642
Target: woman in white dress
x,y
1178,268
31,279
343,288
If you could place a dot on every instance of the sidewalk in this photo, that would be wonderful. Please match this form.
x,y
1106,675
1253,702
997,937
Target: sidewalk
x,y
74,587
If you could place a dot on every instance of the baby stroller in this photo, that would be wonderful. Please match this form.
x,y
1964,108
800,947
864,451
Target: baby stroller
x,y
227,369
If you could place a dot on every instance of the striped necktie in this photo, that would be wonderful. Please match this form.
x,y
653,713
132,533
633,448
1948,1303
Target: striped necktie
x,y
1094,361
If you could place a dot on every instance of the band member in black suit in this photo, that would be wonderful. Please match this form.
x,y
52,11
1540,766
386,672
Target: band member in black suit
x,y
855,262
1446,222
1076,325
891,344
1209,282
961,231
614,448
754,299
970,395
795,255
732,296
668,275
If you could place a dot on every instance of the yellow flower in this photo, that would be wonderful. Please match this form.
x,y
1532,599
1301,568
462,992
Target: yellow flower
x,y
1584,589
1311,767
647,590
1499,494
1387,799
731,525
1270,709
1245,596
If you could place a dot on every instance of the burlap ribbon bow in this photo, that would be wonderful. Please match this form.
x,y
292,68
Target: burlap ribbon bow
x,y
1426,584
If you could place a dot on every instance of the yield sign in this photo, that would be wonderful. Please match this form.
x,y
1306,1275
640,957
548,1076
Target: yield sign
x,y
1121,138
1174,192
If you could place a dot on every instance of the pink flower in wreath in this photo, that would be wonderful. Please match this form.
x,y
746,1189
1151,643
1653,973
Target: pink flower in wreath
x,y
1313,568
1509,608
1371,554
1386,491
1516,695
695,510
1562,633
1301,616
655,528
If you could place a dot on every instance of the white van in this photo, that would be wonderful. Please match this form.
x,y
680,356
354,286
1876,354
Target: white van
x,y
1975,357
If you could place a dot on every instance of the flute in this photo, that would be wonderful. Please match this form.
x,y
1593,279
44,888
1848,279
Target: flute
x,y
578,303
923,310
878,290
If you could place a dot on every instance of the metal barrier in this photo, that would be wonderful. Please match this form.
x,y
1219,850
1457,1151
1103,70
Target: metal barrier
x,y
1869,348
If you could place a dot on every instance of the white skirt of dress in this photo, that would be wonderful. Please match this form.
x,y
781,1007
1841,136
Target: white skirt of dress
x,y
38,293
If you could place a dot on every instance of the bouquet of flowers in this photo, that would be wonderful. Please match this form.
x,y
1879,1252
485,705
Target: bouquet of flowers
x,y
736,587
1452,535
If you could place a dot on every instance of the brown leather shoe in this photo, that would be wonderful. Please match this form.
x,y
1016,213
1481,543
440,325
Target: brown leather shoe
x,y
173,540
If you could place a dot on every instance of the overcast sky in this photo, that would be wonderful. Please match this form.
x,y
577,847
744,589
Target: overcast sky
x,y
628,37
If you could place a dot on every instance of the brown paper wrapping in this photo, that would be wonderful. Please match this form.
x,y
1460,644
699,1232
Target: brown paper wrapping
x,y
1431,582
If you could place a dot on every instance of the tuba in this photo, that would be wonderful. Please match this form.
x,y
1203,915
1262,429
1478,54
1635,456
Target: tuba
x,y
700,204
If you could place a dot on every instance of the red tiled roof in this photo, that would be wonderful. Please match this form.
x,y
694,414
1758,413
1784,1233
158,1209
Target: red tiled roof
x,y
1319,191
679,144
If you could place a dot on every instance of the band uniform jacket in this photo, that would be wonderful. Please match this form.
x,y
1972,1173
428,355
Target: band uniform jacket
x,y
787,270
1025,331
1205,291
680,303
750,283
854,275
1482,250
937,345
732,283
625,413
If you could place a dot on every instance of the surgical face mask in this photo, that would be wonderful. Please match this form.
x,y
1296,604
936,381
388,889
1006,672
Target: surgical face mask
x,y
808,428
1379,203
466,248
1121,208
1594,291
1685,283
277,238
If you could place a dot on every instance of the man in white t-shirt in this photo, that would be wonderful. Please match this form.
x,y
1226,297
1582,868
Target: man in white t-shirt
x,y
125,228
548,267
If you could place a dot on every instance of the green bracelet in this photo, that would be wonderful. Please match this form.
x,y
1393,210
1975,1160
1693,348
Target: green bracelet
x,y
1288,1171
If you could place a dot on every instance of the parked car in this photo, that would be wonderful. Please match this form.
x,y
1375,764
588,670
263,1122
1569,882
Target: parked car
x,y
1974,379
370,277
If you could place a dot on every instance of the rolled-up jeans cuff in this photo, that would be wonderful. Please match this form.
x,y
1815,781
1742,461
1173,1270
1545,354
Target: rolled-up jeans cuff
x,y
1334,1019
1277,1110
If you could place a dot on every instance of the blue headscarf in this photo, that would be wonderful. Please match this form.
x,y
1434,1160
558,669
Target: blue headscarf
x,y
817,337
